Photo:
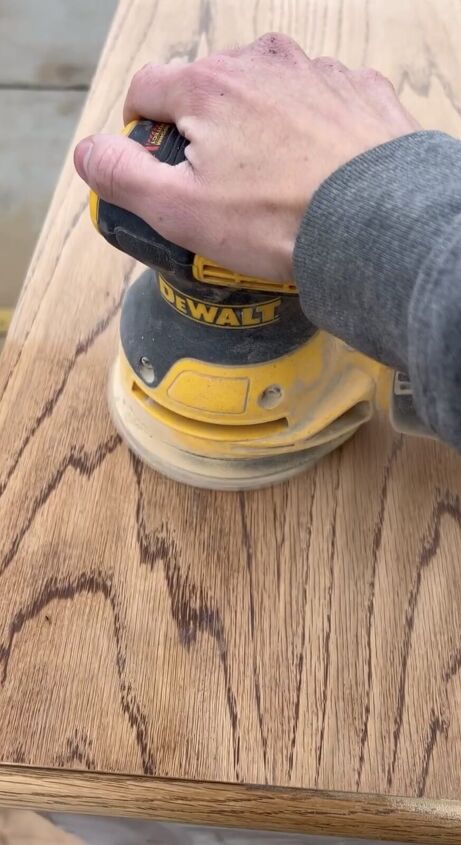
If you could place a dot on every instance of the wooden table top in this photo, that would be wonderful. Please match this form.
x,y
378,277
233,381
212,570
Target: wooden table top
x,y
162,648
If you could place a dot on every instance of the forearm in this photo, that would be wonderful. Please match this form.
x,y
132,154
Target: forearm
x,y
378,263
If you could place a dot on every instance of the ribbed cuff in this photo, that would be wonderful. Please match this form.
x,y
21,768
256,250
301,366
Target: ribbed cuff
x,y
434,348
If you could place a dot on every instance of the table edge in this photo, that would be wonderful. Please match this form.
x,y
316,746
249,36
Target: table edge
x,y
287,809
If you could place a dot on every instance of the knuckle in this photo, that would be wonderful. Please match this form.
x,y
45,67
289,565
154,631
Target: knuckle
x,y
143,74
146,78
370,76
327,63
277,41
137,84
387,83
138,80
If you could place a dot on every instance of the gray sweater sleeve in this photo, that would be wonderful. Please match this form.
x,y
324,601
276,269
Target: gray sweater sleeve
x,y
378,264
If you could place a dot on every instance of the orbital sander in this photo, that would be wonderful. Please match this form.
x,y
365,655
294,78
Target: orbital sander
x,y
221,380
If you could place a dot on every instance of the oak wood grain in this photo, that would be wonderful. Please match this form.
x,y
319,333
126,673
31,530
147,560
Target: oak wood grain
x,y
304,636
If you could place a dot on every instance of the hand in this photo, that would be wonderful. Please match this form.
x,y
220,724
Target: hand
x,y
266,127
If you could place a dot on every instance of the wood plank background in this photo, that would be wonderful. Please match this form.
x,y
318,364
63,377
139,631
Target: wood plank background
x,y
49,51
54,44
307,635
29,171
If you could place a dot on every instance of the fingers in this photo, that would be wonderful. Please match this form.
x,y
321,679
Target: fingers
x,y
369,79
334,74
155,92
172,92
122,172
329,65
275,45
366,80
379,91
375,89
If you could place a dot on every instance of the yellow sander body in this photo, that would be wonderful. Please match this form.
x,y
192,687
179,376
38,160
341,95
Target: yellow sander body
x,y
221,381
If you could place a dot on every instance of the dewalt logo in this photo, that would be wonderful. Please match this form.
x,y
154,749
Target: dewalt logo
x,y
223,316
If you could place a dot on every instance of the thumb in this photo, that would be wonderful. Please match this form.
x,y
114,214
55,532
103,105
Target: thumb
x,y
122,172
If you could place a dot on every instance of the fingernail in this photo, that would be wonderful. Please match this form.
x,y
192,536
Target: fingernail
x,y
82,156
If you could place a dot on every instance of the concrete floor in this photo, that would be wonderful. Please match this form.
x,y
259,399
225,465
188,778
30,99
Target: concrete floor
x,y
47,59
29,829
24,828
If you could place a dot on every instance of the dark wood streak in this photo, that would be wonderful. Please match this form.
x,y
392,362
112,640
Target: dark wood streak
x,y
423,88
40,87
449,505
189,49
78,459
454,667
278,562
437,726
205,17
302,644
257,683
327,655
18,755
377,539
78,750
191,609
66,237
81,349
92,583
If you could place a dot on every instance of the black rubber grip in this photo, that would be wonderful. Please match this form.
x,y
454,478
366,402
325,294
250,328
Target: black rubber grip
x,y
127,231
